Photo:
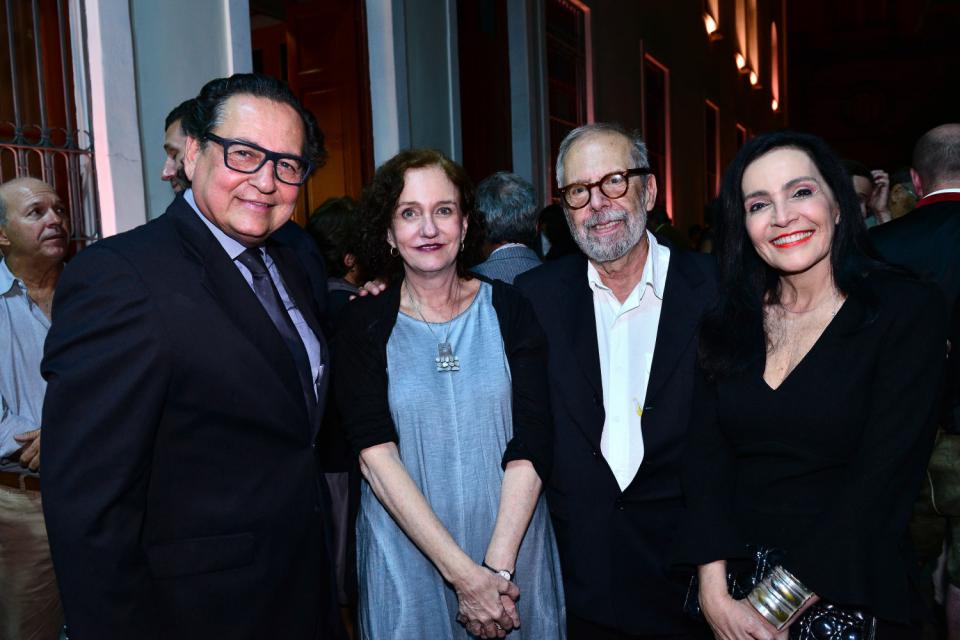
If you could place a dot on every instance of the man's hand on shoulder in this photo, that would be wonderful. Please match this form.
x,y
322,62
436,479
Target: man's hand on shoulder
x,y
371,288
30,451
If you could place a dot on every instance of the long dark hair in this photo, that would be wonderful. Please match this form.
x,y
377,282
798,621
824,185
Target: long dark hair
x,y
734,328
380,198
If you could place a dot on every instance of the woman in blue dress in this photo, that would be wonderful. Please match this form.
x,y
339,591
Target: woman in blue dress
x,y
441,380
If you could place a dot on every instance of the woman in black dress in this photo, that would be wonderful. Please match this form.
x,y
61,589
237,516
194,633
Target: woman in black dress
x,y
814,419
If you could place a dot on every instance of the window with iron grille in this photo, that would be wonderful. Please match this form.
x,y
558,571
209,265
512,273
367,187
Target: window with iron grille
x,y
42,132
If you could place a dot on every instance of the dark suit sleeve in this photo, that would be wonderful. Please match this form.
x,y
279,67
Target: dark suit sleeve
x,y
707,531
526,347
855,553
107,377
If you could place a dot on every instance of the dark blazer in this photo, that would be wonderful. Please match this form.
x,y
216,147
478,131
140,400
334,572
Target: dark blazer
x,y
614,545
506,264
181,490
926,240
826,467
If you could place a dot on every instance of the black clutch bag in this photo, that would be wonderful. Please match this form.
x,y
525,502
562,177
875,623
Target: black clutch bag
x,y
742,577
821,621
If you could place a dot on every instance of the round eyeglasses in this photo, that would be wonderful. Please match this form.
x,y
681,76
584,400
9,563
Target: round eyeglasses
x,y
247,157
613,185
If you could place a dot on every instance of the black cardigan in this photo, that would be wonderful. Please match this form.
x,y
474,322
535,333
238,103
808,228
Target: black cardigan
x,y
825,467
360,373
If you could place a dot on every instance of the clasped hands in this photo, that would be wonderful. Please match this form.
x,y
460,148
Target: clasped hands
x,y
488,603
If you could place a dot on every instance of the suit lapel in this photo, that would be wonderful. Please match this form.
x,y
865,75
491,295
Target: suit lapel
x,y
578,315
298,286
221,278
679,317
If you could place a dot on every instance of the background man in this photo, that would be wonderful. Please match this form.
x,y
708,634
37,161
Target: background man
x,y
174,144
928,239
187,374
928,242
509,206
873,189
621,327
33,241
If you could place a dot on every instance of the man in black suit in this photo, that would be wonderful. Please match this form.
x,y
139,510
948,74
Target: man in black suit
x,y
186,374
927,241
621,326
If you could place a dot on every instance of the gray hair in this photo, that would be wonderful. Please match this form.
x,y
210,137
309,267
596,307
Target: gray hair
x,y
508,204
936,157
638,149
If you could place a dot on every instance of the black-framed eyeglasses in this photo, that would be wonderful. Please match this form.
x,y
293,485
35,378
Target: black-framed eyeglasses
x,y
247,157
613,185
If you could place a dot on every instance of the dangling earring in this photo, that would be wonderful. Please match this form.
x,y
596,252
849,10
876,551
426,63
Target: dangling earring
x,y
394,252
461,246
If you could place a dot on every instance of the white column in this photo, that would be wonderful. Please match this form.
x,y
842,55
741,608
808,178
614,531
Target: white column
x,y
239,48
388,99
113,115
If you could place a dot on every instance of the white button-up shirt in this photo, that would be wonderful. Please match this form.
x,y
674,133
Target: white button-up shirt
x,y
626,337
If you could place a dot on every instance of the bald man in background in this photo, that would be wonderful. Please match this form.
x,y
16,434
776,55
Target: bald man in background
x,y
928,242
33,240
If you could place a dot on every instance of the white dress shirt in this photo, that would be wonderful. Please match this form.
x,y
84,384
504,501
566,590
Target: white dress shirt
x,y
626,337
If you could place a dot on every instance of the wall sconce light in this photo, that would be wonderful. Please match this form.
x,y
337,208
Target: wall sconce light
x,y
754,78
775,104
710,24
741,62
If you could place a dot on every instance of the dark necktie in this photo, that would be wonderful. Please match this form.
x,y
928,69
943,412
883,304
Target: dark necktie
x,y
270,300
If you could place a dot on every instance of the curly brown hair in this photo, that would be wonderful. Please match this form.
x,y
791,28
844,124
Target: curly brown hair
x,y
380,199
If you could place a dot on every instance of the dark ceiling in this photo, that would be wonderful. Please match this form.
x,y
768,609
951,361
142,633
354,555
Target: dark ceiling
x,y
871,76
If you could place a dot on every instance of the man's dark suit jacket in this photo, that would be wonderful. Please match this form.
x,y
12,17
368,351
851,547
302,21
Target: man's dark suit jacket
x,y
927,241
615,546
181,489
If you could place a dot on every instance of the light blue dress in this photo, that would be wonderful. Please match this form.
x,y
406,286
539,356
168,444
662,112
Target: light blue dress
x,y
453,429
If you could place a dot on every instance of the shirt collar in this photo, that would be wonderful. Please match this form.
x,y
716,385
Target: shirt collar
x,y
231,246
939,191
509,245
7,279
654,273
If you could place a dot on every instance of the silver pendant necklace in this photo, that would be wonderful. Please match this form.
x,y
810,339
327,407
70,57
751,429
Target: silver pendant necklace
x,y
446,360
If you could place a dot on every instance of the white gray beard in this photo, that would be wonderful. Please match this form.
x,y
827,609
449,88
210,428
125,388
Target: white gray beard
x,y
607,249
